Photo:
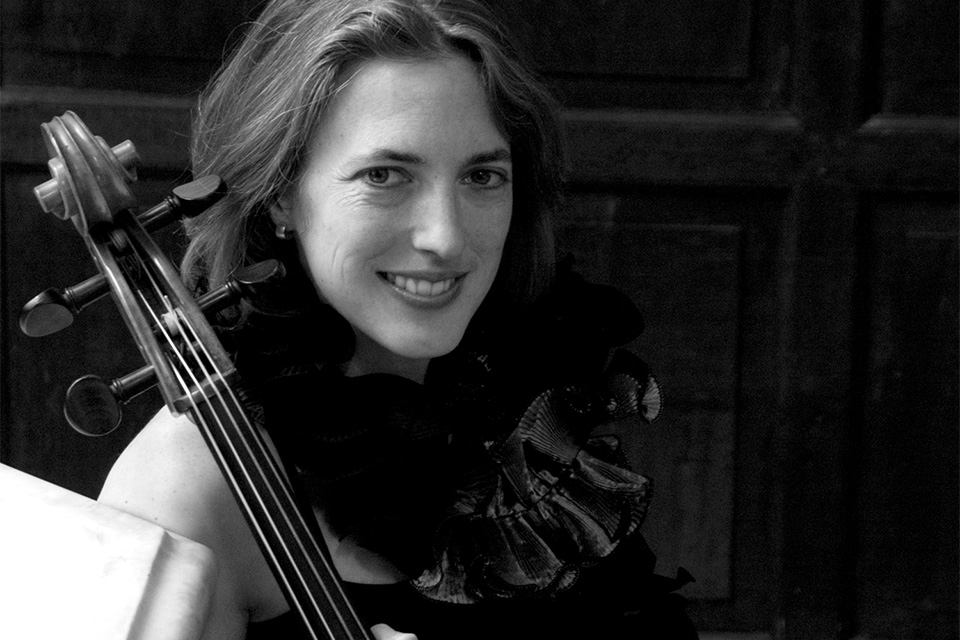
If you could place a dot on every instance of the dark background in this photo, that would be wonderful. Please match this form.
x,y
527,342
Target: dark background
x,y
774,182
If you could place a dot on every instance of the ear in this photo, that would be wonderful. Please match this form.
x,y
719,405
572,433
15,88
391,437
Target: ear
x,y
281,212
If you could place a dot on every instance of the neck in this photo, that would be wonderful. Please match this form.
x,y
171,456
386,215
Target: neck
x,y
371,357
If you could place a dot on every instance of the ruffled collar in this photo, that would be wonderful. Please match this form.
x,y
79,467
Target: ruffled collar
x,y
548,500
485,482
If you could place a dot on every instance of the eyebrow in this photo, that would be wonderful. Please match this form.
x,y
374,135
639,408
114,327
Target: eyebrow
x,y
497,155
378,155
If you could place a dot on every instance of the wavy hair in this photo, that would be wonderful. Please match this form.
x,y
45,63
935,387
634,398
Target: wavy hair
x,y
256,117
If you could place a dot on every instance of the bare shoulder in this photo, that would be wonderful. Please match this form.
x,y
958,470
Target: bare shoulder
x,y
168,476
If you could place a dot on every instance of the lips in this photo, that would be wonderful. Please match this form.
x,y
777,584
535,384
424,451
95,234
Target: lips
x,y
423,287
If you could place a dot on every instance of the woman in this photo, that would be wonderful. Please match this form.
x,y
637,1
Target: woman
x,y
427,378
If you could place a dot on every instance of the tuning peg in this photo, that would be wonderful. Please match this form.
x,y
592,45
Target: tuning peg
x,y
244,283
95,408
54,310
186,201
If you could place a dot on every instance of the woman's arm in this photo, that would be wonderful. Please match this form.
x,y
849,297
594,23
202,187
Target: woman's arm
x,y
168,476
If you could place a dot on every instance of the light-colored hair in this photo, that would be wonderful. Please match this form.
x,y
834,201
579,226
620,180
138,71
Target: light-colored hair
x,y
255,119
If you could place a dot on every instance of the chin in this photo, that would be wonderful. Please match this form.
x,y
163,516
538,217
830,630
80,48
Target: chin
x,y
421,346
427,351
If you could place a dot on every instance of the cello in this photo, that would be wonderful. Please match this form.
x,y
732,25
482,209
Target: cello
x,y
90,186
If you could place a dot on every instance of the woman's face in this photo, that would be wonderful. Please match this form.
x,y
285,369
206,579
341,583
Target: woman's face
x,y
403,207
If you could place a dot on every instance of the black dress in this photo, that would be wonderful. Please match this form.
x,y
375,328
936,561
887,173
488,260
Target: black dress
x,y
580,615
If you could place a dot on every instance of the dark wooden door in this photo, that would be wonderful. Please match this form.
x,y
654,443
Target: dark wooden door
x,y
775,184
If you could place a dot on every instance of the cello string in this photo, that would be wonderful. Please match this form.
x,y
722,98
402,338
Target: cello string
x,y
255,436
191,339
198,414
285,513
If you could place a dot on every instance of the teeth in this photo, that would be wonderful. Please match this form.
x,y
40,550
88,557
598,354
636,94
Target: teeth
x,y
420,287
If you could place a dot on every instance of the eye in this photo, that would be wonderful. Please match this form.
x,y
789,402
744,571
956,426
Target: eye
x,y
383,177
487,178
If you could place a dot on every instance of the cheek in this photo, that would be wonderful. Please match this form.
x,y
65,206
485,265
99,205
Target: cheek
x,y
323,244
339,250
489,217
492,230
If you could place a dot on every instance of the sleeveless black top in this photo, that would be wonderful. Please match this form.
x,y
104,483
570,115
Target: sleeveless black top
x,y
642,608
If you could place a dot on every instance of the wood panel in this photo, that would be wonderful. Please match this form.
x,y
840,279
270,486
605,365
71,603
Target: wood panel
x,y
671,148
658,54
669,264
917,65
159,125
908,444
657,38
702,263
162,46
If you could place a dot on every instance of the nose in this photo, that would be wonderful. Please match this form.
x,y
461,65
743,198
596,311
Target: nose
x,y
438,224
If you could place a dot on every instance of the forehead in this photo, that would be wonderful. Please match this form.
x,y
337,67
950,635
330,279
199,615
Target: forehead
x,y
390,100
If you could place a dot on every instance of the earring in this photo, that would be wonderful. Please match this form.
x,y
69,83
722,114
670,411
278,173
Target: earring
x,y
283,233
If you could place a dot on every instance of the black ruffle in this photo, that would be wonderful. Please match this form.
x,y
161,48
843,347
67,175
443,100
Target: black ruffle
x,y
553,500
491,458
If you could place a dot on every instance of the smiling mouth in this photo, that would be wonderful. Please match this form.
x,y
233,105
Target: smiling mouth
x,y
421,287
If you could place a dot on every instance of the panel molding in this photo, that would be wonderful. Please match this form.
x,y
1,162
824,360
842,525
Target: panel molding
x,y
606,147
683,148
159,125
907,153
